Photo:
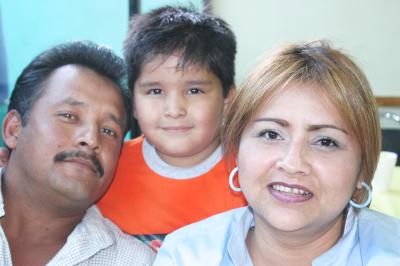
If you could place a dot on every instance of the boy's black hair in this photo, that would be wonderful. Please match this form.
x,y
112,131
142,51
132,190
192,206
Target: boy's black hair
x,y
198,38
30,85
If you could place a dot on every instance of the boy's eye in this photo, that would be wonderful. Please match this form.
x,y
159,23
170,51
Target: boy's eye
x,y
195,91
154,91
270,135
108,131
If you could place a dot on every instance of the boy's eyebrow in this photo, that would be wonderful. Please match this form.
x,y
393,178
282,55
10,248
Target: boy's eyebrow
x,y
284,123
190,82
199,82
149,84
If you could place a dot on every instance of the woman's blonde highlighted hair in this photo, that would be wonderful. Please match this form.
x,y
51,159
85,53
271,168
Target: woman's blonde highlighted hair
x,y
329,69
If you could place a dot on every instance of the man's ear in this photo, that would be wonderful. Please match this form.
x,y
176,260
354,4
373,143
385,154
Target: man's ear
x,y
229,98
12,125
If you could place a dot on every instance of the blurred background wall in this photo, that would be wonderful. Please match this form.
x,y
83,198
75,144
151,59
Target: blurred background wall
x,y
369,30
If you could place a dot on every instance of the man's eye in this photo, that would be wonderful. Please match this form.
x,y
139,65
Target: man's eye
x,y
108,131
67,116
195,91
154,91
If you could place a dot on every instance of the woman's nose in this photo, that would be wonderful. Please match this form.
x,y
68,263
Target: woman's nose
x,y
294,160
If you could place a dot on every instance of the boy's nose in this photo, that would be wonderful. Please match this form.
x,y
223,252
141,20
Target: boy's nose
x,y
294,161
175,106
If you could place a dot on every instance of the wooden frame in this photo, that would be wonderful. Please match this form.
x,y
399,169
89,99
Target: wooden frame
x,y
388,101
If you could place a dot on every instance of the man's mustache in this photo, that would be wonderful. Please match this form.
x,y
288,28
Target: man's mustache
x,y
65,155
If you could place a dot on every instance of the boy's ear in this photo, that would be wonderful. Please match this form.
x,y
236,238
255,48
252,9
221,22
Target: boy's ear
x,y
12,125
229,97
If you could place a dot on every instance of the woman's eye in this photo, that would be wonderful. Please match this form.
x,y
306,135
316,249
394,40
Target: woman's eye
x,y
154,91
195,91
270,135
327,142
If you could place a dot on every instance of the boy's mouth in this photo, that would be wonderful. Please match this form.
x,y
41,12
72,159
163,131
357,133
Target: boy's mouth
x,y
177,129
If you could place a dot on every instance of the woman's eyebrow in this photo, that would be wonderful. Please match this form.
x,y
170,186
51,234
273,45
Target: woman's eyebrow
x,y
322,126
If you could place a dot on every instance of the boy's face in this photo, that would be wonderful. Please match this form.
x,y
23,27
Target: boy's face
x,y
179,111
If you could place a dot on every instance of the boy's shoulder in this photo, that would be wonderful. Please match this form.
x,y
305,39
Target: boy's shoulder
x,y
136,142
132,148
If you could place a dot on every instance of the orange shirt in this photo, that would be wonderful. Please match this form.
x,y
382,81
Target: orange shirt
x,y
141,202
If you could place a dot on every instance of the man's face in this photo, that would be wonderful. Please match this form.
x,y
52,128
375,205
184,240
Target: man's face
x,y
69,148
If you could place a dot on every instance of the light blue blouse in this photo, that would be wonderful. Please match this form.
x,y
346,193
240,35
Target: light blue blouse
x,y
369,238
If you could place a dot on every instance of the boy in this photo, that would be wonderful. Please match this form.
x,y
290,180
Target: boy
x,y
181,73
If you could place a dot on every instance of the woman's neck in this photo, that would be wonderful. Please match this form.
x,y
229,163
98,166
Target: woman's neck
x,y
268,246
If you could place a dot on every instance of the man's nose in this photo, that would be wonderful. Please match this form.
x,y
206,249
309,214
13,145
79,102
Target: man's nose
x,y
89,138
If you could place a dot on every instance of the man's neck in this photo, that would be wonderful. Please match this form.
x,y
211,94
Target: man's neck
x,y
35,230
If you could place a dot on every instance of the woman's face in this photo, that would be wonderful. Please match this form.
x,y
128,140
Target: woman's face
x,y
298,162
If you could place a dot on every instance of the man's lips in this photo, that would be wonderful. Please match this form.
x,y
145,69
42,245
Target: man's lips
x,y
86,163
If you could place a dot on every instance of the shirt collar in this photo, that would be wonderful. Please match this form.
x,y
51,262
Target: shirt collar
x,y
90,236
342,250
237,248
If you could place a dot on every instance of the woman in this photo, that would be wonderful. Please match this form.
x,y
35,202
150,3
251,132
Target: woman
x,y
305,133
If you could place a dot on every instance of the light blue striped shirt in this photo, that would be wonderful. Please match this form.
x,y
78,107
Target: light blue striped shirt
x,y
369,238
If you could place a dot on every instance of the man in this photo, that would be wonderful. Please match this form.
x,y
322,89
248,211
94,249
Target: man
x,y
67,118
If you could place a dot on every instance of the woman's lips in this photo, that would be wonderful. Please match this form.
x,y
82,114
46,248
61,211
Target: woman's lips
x,y
289,193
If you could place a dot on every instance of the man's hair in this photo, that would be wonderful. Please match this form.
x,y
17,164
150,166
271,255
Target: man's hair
x,y
197,38
30,85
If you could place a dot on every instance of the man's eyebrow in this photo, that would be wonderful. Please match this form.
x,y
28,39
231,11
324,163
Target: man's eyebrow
x,y
117,120
74,102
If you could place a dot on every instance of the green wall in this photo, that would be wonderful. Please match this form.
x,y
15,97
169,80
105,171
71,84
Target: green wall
x,y
29,27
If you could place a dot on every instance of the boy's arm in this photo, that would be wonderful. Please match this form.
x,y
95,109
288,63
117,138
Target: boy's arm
x,y
4,156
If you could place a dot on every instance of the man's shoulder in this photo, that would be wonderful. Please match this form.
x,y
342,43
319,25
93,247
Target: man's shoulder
x,y
124,248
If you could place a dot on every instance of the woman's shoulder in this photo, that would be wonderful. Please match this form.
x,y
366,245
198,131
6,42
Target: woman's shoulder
x,y
377,221
379,236
216,224
201,243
